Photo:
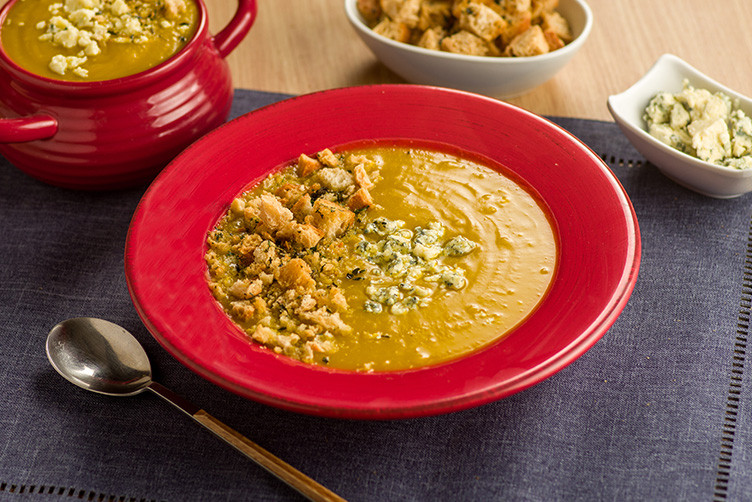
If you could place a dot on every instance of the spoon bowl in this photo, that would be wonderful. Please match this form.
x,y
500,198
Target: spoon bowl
x,y
99,356
102,357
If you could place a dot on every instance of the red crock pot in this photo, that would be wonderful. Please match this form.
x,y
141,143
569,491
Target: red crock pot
x,y
121,132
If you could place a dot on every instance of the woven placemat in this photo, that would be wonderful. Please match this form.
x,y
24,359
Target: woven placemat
x,y
656,410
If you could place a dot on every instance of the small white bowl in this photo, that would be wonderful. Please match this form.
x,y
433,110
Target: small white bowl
x,y
499,77
627,108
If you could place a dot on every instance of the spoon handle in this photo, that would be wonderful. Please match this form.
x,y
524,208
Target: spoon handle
x,y
279,468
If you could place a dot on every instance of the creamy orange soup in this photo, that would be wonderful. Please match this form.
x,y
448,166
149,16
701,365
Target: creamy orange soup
x,y
91,40
379,258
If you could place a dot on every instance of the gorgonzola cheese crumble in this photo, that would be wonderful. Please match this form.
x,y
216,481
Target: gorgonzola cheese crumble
x,y
88,25
703,124
409,265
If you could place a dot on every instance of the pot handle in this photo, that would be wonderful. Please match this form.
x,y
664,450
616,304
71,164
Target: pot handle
x,y
238,27
27,128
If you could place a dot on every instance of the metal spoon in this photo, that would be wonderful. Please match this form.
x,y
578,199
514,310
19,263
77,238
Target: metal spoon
x,y
103,357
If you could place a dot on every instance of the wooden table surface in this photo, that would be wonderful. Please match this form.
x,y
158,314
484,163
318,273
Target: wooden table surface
x,y
300,46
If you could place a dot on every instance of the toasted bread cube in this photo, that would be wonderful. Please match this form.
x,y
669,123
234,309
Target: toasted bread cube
x,y
431,39
507,7
243,309
307,235
556,23
516,24
304,234
334,178
481,21
245,248
361,177
391,7
289,193
272,213
464,42
553,40
458,6
370,10
331,218
295,274
409,13
538,7
529,43
245,288
393,30
303,207
360,199
264,335
307,165
328,158
435,14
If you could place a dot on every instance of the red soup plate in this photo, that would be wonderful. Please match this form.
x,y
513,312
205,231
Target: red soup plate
x,y
593,219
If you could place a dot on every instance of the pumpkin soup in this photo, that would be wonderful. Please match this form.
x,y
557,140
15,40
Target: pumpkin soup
x,y
381,257
92,40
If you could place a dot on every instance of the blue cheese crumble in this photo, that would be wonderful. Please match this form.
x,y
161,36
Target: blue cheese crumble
x,y
87,25
706,125
406,267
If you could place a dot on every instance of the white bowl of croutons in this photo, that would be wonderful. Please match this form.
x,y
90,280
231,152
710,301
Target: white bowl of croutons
x,y
498,48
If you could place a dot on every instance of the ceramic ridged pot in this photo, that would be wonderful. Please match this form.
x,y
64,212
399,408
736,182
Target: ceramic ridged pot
x,y
121,132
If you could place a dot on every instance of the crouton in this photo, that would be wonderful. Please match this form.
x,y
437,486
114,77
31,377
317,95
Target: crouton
x,y
435,14
334,178
308,235
370,10
431,39
392,29
391,8
554,42
307,165
408,13
464,42
328,158
295,274
272,213
361,177
458,6
516,24
245,248
289,193
555,23
265,256
529,43
331,218
302,208
481,21
360,199
245,288
538,7
264,335
445,25
243,310
302,234
515,6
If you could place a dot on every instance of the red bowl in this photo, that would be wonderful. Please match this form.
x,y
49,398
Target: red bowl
x,y
593,218
121,132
